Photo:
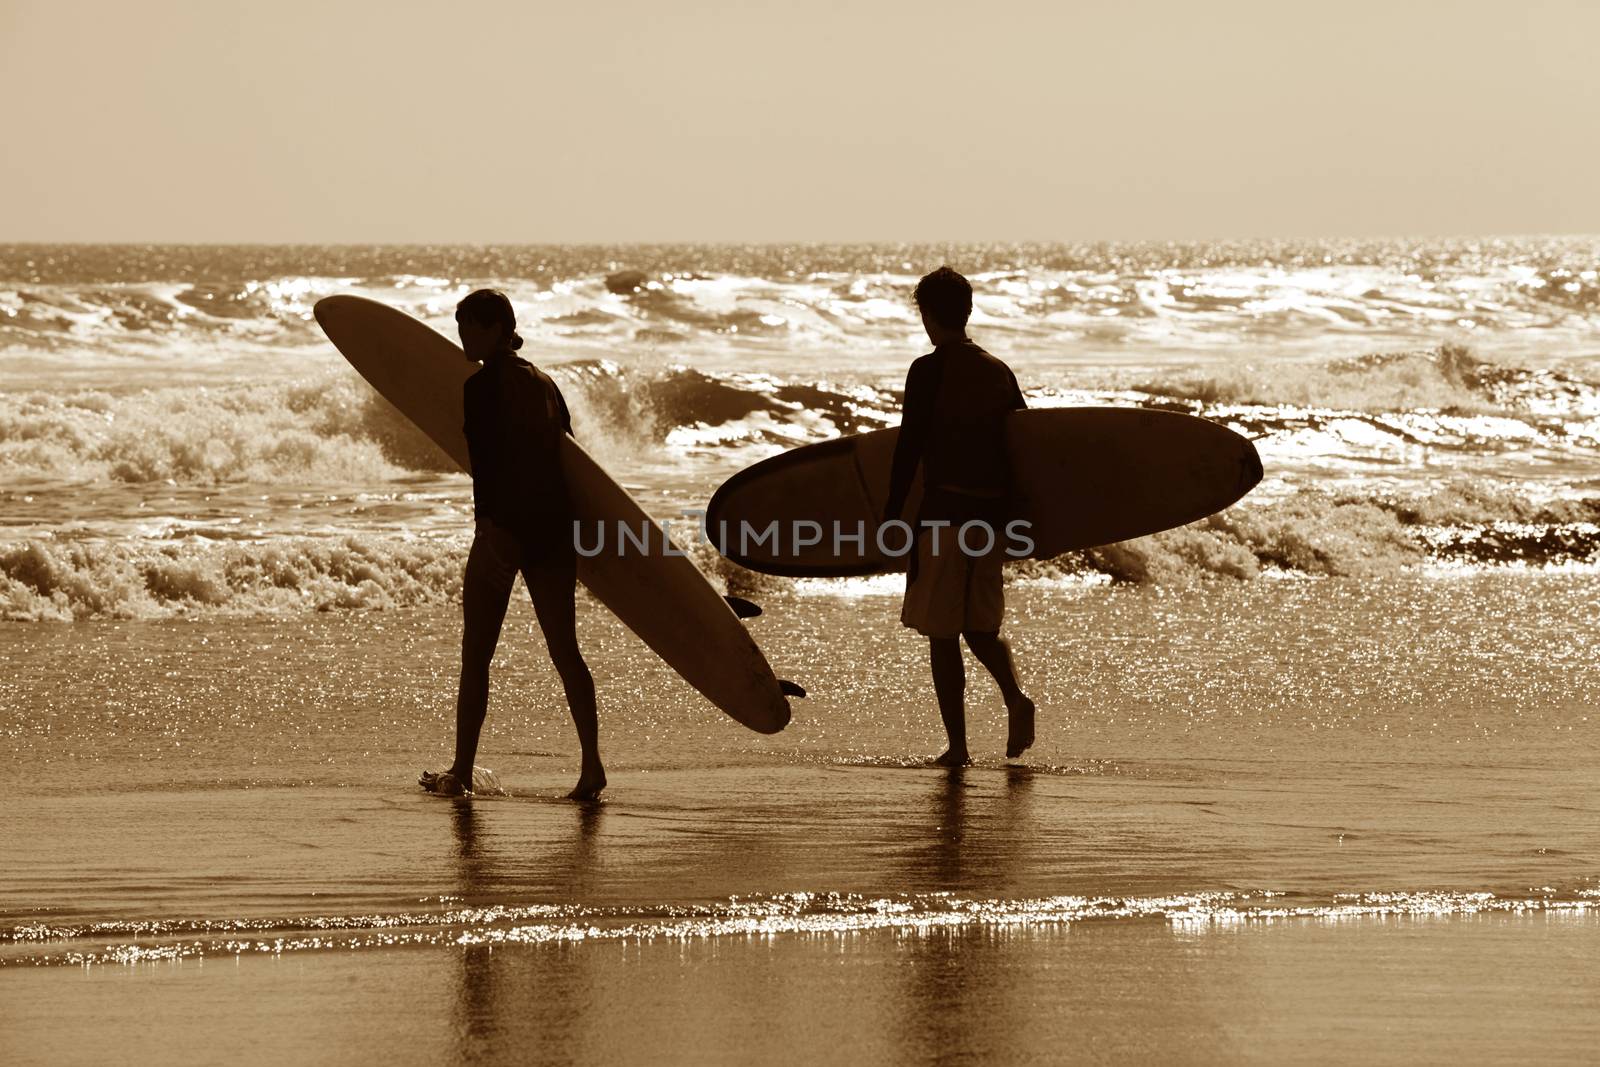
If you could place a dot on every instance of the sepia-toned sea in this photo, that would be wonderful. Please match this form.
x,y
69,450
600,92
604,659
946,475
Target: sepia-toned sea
x,y
1317,779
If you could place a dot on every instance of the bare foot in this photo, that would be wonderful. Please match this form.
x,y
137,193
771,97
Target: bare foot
x,y
952,758
444,783
590,783
1019,736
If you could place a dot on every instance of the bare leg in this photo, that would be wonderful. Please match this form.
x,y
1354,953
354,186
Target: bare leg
x,y
553,586
485,592
995,655
949,685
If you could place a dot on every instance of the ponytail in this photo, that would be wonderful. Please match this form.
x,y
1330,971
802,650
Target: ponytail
x,y
491,307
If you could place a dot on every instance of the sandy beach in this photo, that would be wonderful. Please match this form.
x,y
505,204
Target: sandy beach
x,y
227,840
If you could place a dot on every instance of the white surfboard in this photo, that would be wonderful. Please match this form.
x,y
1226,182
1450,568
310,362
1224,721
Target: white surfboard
x,y
661,597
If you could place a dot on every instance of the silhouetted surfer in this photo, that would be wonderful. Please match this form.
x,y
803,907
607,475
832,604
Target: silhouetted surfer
x,y
514,419
953,424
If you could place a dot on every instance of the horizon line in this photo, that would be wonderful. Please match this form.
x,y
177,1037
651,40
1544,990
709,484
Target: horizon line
x,y
778,243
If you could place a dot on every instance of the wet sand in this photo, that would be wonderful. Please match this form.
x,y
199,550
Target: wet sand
x,y
1277,821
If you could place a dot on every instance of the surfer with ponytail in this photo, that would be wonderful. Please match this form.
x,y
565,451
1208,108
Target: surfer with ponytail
x,y
514,416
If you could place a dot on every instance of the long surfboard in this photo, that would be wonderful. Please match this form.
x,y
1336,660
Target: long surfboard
x,y
657,593
1085,477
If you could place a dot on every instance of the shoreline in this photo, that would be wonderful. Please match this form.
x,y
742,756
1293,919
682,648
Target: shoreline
x,y
1483,989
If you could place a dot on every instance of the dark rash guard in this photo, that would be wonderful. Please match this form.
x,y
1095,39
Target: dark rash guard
x,y
953,423
514,417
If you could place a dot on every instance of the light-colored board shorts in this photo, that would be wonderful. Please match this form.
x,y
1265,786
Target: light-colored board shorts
x,y
953,592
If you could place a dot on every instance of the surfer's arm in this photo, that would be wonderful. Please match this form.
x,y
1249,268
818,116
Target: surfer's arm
x,y
1016,402
566,416
472,428
916,414
487,465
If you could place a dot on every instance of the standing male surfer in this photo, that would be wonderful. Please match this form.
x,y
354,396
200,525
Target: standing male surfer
x,y
953,423
514,419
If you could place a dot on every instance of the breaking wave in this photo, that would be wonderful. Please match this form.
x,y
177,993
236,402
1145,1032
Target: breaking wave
x,y
1309,534
63,581
334,430
177,435
332,427
1316,534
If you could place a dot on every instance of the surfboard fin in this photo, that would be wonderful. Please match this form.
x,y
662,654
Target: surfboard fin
x,y
790,689
743,608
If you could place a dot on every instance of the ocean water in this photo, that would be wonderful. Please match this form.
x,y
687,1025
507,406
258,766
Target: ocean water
x,y
1333,750
176,435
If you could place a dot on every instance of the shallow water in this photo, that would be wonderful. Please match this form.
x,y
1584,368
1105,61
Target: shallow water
x,y
1482,989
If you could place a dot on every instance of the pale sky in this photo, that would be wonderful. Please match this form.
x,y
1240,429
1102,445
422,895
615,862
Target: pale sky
x,y
677,120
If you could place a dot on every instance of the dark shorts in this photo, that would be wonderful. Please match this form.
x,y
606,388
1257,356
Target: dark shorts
x,y
541,538
496,558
